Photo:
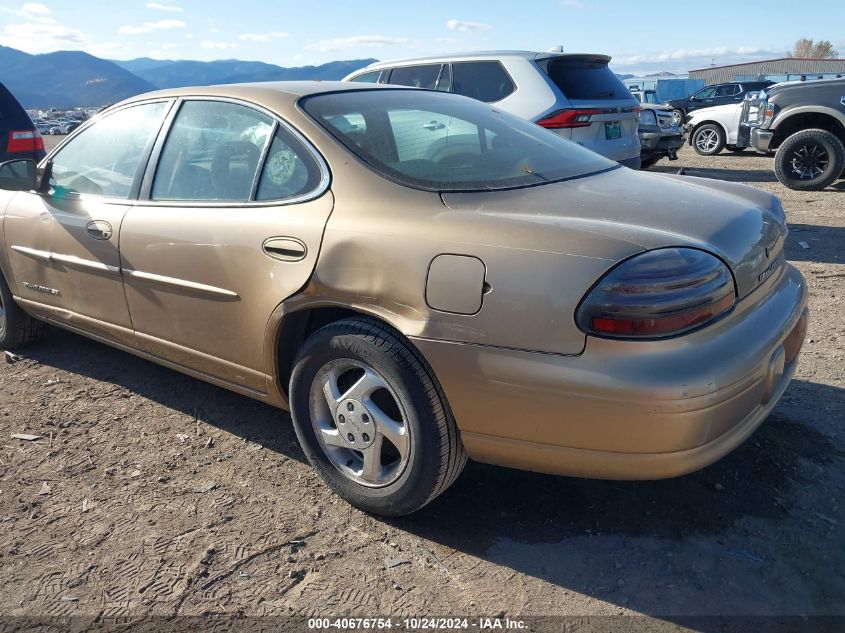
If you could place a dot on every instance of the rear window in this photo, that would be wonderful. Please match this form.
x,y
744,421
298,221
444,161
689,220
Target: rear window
x,y
485,81
438,142
586,79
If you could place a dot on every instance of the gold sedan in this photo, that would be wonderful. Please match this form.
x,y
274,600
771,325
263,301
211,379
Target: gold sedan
x,y
417,276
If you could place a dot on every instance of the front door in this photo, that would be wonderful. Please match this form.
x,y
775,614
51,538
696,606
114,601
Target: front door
x,y
64,244
231,226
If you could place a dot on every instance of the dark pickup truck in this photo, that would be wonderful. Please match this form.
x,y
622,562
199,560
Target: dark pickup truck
x,y
804,123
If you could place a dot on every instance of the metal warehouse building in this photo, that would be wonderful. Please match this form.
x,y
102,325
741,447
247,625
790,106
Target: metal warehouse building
x,y
783,69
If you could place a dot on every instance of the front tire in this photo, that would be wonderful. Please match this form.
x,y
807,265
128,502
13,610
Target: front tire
x,y
372,419
810,160
708,140
17,328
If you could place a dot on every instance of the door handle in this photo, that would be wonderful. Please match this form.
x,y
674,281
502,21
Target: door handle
x,y
99,230
288,249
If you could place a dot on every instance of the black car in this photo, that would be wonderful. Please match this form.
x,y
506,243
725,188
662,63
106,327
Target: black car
x,y
18,136
717,94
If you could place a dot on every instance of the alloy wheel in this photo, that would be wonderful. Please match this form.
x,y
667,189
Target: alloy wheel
x,y
707,140
809,161
360,423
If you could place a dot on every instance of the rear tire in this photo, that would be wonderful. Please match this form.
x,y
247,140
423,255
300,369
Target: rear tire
x,y
372,419
810,160
708,140
17,328
678,116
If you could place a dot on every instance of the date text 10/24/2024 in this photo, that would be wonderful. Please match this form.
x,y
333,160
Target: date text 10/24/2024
x,y
416,624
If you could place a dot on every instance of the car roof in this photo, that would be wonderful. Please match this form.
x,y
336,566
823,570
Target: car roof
x,y
481,56
267,93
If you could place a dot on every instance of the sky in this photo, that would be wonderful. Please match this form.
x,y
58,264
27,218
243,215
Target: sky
x,y
641,36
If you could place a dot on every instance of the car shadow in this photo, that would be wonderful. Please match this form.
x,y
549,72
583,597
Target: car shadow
x,y
718,173
616,541
244,417
815,243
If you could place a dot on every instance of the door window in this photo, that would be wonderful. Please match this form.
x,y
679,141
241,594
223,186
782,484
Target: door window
x,y
484,81
103,159
211,152
727,91
706,93
416,76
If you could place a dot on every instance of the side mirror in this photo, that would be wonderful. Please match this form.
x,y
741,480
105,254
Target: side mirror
x,y
18,175
42,177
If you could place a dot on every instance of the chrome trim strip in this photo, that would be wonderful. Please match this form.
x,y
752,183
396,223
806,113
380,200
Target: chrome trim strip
x,y
70,260
181,283
73,260
42,255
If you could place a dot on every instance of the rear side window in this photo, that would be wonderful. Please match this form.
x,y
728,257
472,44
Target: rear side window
x,y
368,78
727,91
586,79
289,170
416,76
484,81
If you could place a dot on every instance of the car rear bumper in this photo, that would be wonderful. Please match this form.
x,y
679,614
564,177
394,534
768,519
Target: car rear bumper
x,y
628,409
658,143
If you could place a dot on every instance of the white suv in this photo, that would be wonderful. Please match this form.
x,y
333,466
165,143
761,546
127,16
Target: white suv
x,y
576,96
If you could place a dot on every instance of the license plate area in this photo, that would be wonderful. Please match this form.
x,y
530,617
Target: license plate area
x,y
612,130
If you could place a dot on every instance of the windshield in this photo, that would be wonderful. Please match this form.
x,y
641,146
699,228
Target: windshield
x,y
442,142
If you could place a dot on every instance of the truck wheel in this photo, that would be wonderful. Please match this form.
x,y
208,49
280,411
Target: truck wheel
x,y
810,160
372,419
708,140
678,117
17,328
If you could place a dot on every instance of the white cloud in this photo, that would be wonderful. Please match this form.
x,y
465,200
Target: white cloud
x,y
459,25
169,45
35,7
262,37
163,7
357,41
572,4
148,27
213,29
699,57
37,37
218,45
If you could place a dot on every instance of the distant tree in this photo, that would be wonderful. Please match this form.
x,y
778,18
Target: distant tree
x,y
805,47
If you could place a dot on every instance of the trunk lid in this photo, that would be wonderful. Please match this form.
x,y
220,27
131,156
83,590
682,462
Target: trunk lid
x,y
744,226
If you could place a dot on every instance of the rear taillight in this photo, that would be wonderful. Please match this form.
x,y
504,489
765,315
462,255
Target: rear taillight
x,y
24,141
659,293
569,118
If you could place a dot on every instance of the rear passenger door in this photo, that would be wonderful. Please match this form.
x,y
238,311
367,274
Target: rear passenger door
x,y
229,224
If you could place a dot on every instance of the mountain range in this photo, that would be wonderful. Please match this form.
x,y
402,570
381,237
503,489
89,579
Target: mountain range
x,y
73,78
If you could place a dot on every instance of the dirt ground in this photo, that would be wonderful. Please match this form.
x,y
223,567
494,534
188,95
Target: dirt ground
x,y
151,493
